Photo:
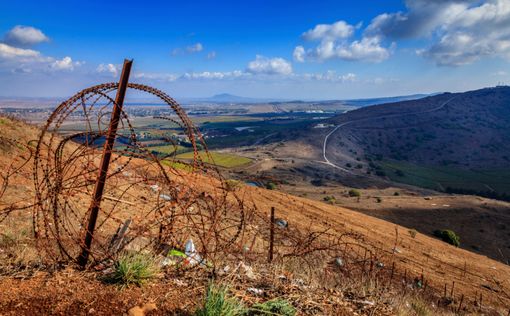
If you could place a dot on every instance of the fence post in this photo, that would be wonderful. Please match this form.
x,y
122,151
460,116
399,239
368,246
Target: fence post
x,y
271,237
105,162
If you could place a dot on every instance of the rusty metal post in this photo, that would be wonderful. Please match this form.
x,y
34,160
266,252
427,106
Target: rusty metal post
x,y
271,237
105,162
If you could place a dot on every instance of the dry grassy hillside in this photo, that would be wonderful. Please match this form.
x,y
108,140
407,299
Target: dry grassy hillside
x,y
410,258
465,130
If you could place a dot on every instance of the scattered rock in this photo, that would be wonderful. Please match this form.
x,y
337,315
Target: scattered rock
x,y
165,197
255,291
397,250
339,262
380,265
248,271
142,310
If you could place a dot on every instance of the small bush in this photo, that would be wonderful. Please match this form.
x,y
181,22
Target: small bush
x,y
413,232
232,184
448,236
271,186
399,173
217,302
354,193
273,307
329,198
396,194
378,199
317,182
134,268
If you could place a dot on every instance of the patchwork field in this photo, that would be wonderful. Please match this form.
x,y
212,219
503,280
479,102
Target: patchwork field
x,y
441,178
218,159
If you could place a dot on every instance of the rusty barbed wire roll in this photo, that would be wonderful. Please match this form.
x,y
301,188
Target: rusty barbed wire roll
x,y
19,156
164,200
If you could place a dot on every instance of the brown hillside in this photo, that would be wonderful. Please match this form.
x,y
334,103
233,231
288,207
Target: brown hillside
x,y
439,263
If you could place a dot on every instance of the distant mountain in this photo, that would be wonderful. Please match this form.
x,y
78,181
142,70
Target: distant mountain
x,y
228,98
374,101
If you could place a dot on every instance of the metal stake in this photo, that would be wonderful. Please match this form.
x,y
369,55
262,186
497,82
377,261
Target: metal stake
x,y
271,237
105,162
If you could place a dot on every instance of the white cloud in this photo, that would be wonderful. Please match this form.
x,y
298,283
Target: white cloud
x,y
65,63
24,36
214,75
331,76
337,30
461,31
156,76
111,69
269,66
335,44
299,54
368,49
191,49
195,48
211,55
10,52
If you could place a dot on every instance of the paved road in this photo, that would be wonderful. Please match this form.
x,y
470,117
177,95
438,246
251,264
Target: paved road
x,y
328,162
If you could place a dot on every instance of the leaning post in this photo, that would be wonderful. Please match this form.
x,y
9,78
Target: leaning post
x,y
105,162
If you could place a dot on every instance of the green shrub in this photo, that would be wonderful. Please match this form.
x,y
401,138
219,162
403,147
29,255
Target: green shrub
x,y
134,268
329,198
354,193
399,173
232,184
448,236
396,194
273,307
271,186
413,232
217,302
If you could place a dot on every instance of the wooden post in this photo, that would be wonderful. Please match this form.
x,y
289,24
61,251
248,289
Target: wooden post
x,y
460,304
105,162
271,237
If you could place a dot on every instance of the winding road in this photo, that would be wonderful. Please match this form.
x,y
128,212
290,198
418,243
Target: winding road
x,y
328,162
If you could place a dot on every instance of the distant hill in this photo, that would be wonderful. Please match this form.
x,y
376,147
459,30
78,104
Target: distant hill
x,y
433,138
228,98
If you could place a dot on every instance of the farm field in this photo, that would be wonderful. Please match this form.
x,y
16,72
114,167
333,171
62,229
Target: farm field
x,y
441,178
218,159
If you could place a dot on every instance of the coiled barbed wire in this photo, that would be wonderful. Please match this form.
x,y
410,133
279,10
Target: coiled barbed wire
x,y
164,203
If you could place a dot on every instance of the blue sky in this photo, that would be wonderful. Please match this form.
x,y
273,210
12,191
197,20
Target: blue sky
x,y
279,49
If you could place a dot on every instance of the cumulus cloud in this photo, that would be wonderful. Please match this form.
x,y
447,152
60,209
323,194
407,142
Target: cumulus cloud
x,y
191,49
22,36
65,63
213,75
195,48
335,43
163,77
269,66
110,69
462,31
299,54
331,76
10,52
16,57
333,31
